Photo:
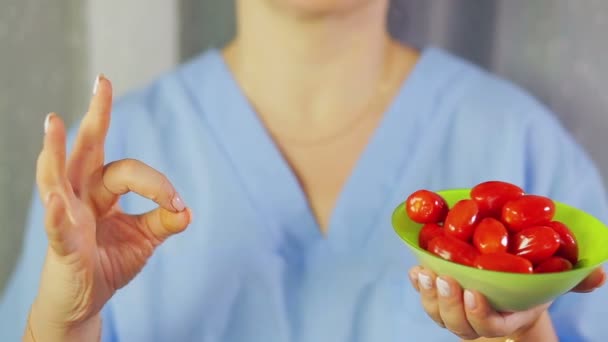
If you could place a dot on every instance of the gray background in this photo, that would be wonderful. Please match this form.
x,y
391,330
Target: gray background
x,y
51,50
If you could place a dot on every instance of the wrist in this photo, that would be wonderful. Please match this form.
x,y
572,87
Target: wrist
x,y
42,327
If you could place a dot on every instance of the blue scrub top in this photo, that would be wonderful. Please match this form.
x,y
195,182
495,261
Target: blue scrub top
x,y
253,265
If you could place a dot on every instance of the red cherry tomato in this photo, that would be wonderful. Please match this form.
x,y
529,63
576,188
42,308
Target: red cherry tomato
x,y
535,243
527,211
461,219
503,262
491,196
568,247
553,264
490,236
425,206
452,249
428,233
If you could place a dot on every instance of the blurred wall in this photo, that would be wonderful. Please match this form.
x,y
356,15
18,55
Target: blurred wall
x,y
42,67
555,49
51,50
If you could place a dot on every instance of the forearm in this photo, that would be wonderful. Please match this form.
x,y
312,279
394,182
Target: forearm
x,y
542,330
39,329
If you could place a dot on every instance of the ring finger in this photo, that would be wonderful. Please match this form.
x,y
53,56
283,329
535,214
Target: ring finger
x,y
451,308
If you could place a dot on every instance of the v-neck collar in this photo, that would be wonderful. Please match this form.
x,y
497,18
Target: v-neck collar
x,y
271,184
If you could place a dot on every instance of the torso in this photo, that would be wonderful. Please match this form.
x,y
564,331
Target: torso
x,y
252,266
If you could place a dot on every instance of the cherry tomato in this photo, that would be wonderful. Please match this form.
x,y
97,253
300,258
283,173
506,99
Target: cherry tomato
x,y
461,219
425,206
503,262
491,196
452,249
535,243
568,247
553,264
490,236
527,211
428,233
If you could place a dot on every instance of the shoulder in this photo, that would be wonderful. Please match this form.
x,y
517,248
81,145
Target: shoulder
x,y
490,112
472,93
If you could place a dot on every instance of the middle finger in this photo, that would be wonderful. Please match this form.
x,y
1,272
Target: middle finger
x,y
88,151
451,308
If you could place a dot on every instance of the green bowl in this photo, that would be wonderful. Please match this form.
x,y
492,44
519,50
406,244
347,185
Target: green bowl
x,y
514,291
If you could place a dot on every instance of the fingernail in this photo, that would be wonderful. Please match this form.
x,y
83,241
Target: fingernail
x,y
425,281
96,84
443,287
178,203
47,122
469,300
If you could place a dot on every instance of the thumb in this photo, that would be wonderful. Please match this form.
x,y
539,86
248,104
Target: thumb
x,y
161,223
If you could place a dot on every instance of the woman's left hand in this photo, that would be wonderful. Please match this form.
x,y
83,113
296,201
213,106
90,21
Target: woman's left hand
x,y
469,315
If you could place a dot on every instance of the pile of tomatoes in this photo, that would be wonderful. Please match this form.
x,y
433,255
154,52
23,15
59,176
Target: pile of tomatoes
x,y
498,228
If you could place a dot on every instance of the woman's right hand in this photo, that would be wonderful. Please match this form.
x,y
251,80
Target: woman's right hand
x,y
94,248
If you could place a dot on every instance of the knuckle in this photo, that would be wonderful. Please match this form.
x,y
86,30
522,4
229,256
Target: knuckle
x,y
439,322
434,314
466,335
461,331
128,165
41,169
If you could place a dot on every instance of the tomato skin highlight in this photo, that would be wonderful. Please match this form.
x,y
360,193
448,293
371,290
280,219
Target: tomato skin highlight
x,y
461,220
503,262
568,247
553,264
527,211
491,196
424,206
535,243
491,236
453,249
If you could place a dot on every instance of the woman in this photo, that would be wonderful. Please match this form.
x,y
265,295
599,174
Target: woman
x,y
291,145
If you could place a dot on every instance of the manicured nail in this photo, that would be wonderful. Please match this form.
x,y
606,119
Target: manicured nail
x,y
469,300
425,281
47,122
178,203
96,85
443,287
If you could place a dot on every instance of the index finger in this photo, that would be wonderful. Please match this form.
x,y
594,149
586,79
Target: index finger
x,y
130,175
